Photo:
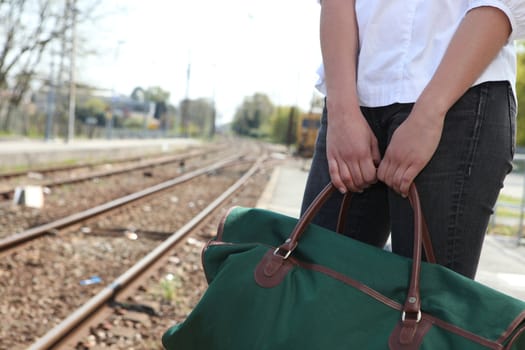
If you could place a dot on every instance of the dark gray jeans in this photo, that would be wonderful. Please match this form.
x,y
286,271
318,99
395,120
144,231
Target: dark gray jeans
x,y
458,188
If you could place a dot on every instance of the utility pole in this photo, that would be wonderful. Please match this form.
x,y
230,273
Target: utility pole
x,y
185,105
72,78
214,103
110,116
59,81
50,101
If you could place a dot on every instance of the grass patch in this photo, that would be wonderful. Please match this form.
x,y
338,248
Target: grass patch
x,y
508,206
168,287
503,230
502,211
36,167
509,199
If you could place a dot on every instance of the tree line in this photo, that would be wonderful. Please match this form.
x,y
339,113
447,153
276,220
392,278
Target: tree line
x,y
258,117
34,32
39,41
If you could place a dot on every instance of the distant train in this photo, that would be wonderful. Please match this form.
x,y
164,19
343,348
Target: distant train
x,y
307,127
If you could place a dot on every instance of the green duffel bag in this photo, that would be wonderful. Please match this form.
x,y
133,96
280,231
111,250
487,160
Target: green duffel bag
x,y
278,283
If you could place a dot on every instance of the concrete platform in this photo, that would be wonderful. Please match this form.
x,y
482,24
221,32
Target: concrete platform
x,y
502,264
28,153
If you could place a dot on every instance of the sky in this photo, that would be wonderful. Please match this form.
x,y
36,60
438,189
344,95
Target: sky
x,y
234,48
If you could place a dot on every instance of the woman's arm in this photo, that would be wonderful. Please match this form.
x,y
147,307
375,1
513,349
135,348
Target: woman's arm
x,y
352,150
477,41
514,9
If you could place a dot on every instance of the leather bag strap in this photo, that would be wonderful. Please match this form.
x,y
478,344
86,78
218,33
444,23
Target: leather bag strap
x,y
412,307
427,242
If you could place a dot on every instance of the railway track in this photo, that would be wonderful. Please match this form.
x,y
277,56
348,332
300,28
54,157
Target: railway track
x,y
87,171
66,199
73,329
69,167
15,240
41,279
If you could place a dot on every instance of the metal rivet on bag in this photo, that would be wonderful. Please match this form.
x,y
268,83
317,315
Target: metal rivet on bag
x,y
412,300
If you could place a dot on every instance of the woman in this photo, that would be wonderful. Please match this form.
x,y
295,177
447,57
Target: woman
x,y
417,91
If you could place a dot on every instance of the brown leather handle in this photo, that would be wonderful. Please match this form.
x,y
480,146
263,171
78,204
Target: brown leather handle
x,y
413,301
287,247
427,242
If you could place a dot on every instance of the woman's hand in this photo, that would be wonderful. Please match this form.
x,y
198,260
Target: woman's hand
x,y
351,146
352,152
478,39
412,145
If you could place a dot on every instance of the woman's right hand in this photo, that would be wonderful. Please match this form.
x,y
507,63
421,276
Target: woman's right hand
x,y
351,146
352,152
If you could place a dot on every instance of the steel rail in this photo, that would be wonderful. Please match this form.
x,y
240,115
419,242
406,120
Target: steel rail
x,y
72,322
49,169
34,232
155,162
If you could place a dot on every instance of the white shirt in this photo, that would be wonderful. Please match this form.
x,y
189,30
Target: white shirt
x,y
402,43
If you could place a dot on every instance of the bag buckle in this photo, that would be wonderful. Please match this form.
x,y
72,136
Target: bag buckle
x,y
418,316
285,248
279,249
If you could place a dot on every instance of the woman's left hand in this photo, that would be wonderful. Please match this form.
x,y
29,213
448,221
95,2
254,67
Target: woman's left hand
x,y
410,149
480,36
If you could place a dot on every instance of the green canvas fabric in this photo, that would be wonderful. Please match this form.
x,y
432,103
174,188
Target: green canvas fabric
x,y
312,310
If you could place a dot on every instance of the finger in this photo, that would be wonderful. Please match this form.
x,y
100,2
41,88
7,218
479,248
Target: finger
x,y
333,169
357,177
369,171
347,178
408,177
397,178
385,171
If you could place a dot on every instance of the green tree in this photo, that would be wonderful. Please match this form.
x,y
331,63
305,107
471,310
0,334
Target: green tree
x,y
253,116
283,125
31,31
197,116
138,94
157,94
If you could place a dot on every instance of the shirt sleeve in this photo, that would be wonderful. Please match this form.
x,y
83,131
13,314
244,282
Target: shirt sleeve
x,y
514,9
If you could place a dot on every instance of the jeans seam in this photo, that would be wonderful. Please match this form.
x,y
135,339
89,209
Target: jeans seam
x,y
512,123
463,174
480,116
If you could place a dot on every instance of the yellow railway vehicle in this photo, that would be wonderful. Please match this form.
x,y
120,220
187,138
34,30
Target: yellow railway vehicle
x,y
307,128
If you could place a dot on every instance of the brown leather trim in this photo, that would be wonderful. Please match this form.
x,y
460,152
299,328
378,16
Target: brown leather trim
x,y
519,319
465,334
495,345
514,338
271,270
341,221
220,229
427,244
218,237
396,340
395,305
210,242
413,300
427,241
345,279
309,213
